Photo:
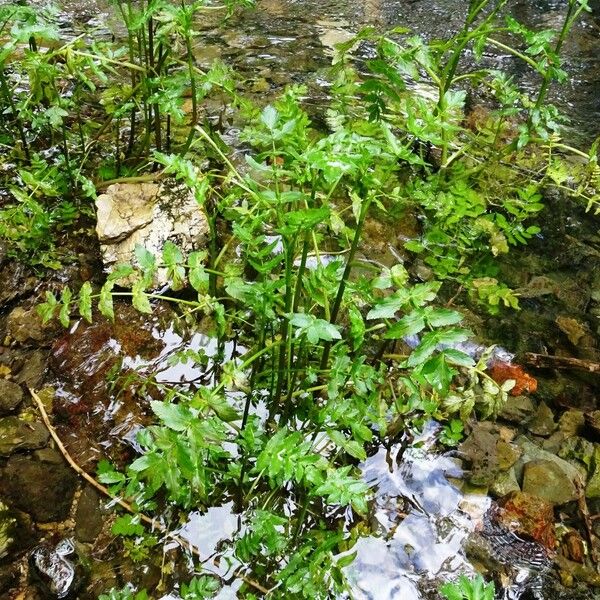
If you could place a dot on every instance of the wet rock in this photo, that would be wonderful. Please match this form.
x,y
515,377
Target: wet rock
x,y
539,285
573,546
533,452
11,396
542,422
147,214
16,531
572,328
17,282
518,409
530,515
40,485
89,517
488,454
504,484
9,577
580,572
31,373
592,420
571,422
592,489
550,480
16,434
7,524
24,325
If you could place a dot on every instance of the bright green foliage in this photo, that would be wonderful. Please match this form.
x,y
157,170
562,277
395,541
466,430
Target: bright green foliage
x,y
337,352
468,589
200,588
127,593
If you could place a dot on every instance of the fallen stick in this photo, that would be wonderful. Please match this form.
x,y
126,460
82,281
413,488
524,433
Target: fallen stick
x,y
122,503
548,361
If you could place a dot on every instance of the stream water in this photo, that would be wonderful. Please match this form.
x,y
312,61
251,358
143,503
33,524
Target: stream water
x,y
423,516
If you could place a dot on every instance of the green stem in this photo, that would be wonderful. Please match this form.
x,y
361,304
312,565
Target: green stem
x,y
342,287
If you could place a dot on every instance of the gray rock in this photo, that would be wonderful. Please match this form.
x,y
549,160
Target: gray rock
x,y
550,480
42,489
518,409
11,396
16,434
542,422
89,517
147,214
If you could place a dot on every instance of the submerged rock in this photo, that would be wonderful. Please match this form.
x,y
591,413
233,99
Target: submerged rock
x,y
16,434
40,485
89,518
55,568
147,214
528,514
33,368
11,396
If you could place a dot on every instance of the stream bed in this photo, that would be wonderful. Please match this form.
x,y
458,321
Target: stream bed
x,y
434,516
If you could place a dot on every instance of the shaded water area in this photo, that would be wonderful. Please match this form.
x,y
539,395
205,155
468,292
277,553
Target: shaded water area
x,y
430,517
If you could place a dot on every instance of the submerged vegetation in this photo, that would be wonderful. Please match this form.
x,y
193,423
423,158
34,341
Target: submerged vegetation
x,y
337,353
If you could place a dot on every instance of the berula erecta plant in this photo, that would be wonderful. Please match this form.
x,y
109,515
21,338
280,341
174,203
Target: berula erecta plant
x,y
324,375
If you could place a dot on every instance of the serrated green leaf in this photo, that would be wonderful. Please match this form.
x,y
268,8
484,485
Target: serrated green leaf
x,y
120,272
458,358
140,299
127,525
171,254
222,408
65,309
424,350
105,302
145,259
388,307
440,317
410,324
197,276
85,301
174,416
47,309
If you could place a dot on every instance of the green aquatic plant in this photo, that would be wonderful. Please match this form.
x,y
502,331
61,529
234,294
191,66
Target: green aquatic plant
x,y
337,352
481,169
468,589
324,371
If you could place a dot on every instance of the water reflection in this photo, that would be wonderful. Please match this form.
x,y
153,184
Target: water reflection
x,y
423,520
